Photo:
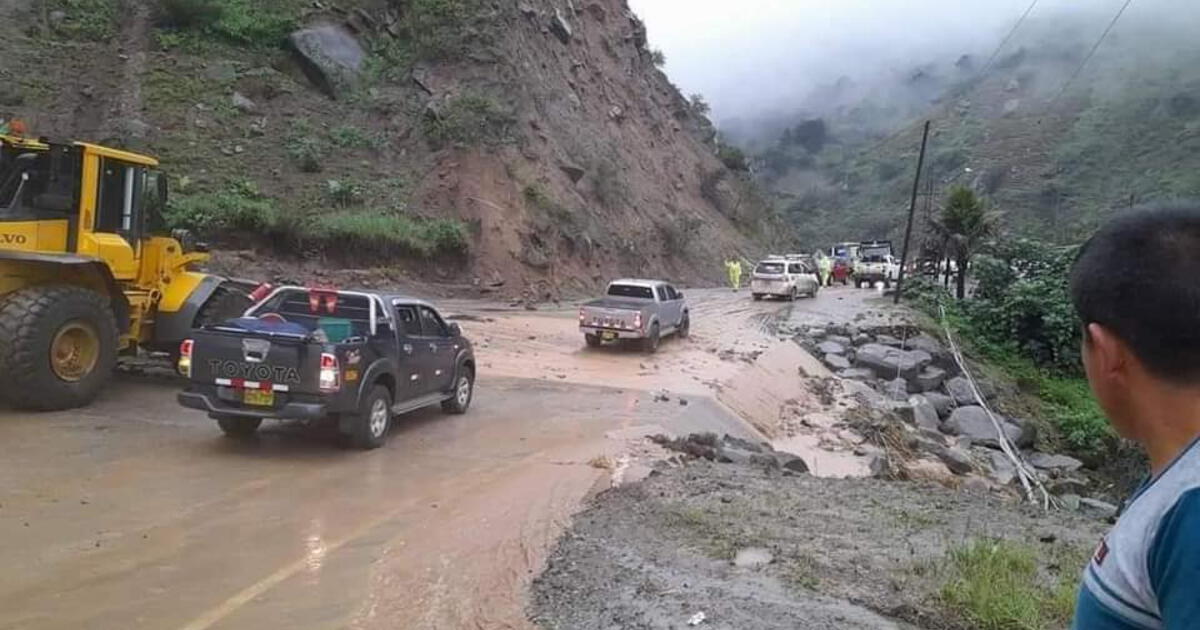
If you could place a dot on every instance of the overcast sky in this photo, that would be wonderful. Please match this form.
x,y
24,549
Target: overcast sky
x,y
749,57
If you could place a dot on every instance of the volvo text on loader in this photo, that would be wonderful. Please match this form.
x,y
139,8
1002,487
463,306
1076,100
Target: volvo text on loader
x,y
88,270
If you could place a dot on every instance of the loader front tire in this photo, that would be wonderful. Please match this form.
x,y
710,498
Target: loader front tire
x,y
58,347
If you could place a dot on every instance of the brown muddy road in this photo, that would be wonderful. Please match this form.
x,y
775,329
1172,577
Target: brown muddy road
x,y
135,513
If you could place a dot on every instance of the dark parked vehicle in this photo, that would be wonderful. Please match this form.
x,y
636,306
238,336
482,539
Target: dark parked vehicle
x,y
356,357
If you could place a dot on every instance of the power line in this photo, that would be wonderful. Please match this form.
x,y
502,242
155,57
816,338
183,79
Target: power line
x,y
1092,52
1004,41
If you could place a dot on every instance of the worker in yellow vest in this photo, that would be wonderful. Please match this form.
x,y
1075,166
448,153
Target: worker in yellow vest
x,y
824,268
734,269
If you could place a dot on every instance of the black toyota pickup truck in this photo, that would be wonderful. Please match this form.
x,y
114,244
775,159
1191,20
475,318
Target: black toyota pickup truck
x,y
354,356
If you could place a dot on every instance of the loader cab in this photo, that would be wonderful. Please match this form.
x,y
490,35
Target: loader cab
x,y
79,199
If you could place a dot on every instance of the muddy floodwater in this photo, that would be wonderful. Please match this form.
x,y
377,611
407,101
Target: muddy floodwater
x,y
136,513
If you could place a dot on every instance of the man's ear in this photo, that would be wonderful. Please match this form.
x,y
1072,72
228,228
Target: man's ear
x,y
1110,356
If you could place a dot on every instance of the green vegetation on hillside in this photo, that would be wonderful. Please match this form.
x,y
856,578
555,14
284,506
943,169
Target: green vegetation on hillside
x,y
86,20
241,208
255,23
469,119
1021,321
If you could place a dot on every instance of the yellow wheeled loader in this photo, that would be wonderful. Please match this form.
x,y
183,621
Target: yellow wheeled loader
x,y
88,271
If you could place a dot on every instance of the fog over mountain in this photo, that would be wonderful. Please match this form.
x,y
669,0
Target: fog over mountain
x,y
756,61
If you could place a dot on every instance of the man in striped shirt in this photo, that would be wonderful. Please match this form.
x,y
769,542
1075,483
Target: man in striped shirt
x,y
1136,288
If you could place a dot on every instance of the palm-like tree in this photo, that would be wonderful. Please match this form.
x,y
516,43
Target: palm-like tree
x,y
964,224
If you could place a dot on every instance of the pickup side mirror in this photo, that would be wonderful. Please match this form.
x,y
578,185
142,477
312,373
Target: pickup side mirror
x,y
679,295
455,329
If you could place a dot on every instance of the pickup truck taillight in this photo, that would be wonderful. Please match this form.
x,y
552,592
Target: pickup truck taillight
x,y
331,377
185,358
637,320
582,317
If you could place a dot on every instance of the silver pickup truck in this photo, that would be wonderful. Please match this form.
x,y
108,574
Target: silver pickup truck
x,y
644,311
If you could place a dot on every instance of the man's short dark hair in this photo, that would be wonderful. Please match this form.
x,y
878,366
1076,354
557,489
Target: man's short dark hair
x,y
1139,276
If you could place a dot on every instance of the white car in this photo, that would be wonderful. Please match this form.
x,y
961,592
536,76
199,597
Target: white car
x,y
787,277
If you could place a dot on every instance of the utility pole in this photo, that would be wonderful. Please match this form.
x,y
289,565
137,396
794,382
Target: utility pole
x,y
912,209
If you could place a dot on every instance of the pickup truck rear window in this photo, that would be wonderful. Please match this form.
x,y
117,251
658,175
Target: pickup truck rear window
x,y
769,267
294,306
631,291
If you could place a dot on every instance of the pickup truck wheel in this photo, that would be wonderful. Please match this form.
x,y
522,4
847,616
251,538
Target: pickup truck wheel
x,y
464,391
685,326
757,297
650,343
794,295
236,427
372,420
593,341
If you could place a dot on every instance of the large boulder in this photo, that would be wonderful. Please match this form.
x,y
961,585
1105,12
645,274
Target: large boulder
x,y
960,390
890,363
831,347
857,374
896,389
1003,470
941,402
972,422
331,57
929,379
956,459
925,415
842,339
560,27
837,362
1047,461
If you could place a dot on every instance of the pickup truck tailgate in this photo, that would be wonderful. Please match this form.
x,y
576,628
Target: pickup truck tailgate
x,y
232,359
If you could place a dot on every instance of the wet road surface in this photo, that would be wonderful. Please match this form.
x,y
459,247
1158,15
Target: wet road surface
x,y
136,513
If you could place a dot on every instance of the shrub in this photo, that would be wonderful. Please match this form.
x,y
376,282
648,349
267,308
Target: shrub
x,y
470,119
305,147
658,58
197,14
238,207
437,28
997,585
351,137
88,20
609,185
1022,296
390,233
343,193
245,22
732,157
678,234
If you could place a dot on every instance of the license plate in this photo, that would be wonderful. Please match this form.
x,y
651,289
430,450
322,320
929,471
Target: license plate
x,y
608,336
259,397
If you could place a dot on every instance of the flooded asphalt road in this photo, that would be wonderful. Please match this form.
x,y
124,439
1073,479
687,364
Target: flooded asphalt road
x,y
136,513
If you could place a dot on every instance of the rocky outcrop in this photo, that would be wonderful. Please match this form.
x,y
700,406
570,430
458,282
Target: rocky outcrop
x,y
949,435
331,57
888,362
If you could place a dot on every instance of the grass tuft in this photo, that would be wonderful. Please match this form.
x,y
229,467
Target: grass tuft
x,y
996,584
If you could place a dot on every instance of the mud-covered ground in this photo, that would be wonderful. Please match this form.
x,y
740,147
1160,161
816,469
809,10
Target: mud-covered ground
x,y
845,553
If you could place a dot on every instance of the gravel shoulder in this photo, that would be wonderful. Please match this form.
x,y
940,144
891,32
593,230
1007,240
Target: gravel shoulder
x,y
844,553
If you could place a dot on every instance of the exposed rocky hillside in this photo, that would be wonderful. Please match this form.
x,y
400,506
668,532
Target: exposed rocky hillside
x,y
534,144
1056,155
